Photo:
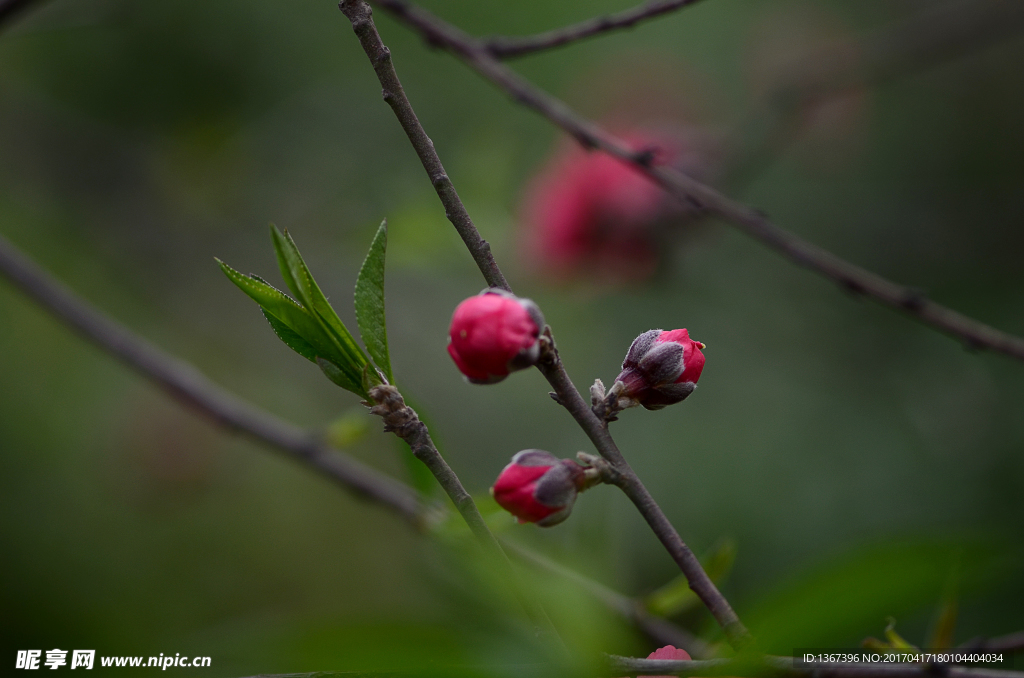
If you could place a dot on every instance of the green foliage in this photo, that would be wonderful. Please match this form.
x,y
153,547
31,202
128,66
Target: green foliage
x,y
311,327
369,298
300,281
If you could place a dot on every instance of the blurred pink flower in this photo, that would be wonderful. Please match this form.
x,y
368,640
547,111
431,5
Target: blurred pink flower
x,y
586,212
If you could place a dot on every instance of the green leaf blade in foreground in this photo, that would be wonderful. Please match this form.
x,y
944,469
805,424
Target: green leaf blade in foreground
x,y
290,337
305,333
369,300
296,274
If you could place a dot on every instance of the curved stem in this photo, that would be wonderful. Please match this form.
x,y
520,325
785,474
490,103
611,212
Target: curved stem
x,y
361,16
504,47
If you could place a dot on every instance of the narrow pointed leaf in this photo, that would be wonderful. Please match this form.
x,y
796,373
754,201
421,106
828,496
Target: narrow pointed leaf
x,y
339,377
277,305
282,307
296,274
370,302
290,337
293,268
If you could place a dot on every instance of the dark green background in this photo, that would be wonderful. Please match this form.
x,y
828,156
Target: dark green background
x,y
855,456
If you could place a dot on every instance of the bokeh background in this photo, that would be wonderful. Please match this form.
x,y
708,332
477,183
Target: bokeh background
x,y
863,465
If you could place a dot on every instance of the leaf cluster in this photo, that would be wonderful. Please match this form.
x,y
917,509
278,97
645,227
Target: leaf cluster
x,y
309,325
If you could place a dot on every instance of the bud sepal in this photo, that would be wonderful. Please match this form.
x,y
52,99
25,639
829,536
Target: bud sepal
x,y
661,368
538,487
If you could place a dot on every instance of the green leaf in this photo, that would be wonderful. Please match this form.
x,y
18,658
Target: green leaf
x,y
280,306
301,282
370,302
290,337
308,336
339,377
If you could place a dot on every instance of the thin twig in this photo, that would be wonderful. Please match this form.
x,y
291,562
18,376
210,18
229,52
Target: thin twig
x,y
380,57
505,47
700,583
191,387
787,666
850,277
359,13
403,421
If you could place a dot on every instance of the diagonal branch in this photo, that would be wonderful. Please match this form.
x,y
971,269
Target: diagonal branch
x,y
359,13
205,398
506,47
851,277
380,57
192,388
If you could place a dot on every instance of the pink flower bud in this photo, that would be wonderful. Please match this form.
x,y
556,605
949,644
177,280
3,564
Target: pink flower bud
x,y
668,652
661,368
493,334
538,487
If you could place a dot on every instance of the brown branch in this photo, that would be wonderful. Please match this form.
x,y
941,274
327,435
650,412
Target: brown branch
x,y
852,278
787,666
359,13
566,394
192,388
505,47
380,57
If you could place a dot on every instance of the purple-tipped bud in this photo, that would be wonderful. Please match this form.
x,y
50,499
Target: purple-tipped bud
x,y
493,334
661,368
538,487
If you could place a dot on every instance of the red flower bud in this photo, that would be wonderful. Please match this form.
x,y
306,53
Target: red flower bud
x,y
661,368
538,487
668,652
493,334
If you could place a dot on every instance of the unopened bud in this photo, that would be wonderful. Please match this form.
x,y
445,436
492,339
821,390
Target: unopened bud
x,y
661,368
538,487
493,334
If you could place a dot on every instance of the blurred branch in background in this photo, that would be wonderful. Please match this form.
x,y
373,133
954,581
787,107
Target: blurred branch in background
x,y
505,47
189,386
360,15
852,278
923,41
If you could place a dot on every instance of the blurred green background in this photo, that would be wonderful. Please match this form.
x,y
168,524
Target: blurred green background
x,y
860,461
